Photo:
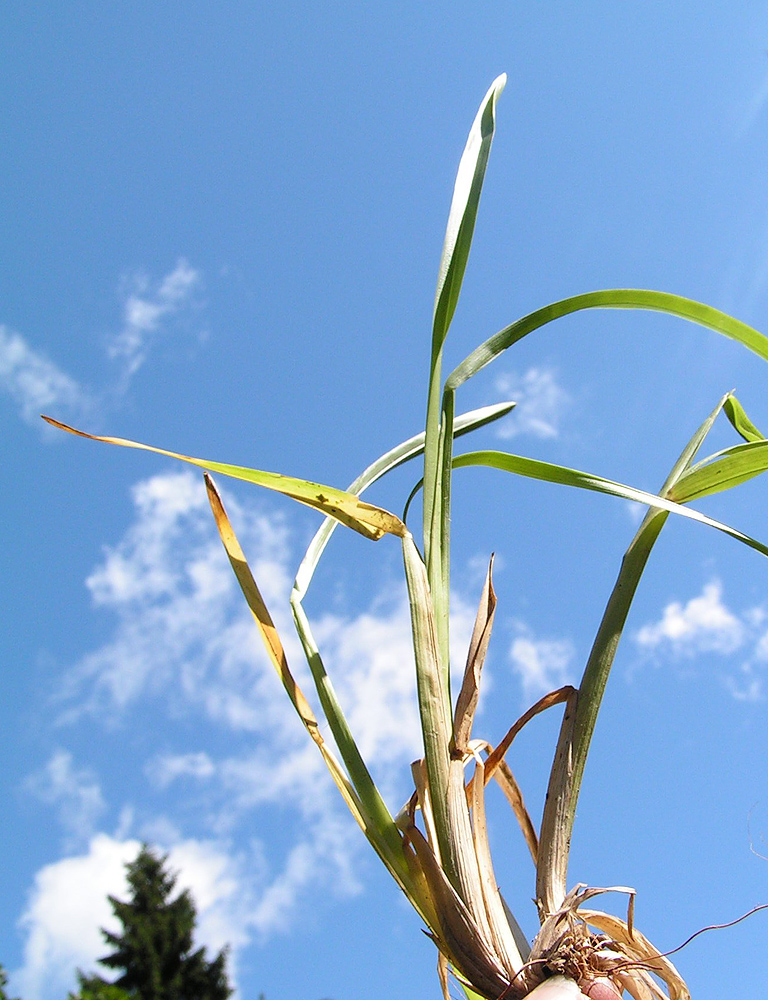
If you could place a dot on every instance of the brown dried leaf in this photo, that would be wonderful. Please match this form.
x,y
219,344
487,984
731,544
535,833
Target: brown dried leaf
x,y
562,694
466,703
511,789
501,932
464,944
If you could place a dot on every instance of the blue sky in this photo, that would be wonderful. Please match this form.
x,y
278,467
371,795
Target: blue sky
x,y
222,226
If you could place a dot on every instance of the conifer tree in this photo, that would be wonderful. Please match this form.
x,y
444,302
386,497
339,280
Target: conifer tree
x,y
153,953
3,984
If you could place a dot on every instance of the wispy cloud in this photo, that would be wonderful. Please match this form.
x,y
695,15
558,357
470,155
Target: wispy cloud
x,y
36,384
703,624
75,792
147,304
706,625
181,623
372,656
541,664
166,768
541,403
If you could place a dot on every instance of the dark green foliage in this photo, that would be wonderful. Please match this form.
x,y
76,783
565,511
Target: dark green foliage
x,y
3,984
153,954
95,988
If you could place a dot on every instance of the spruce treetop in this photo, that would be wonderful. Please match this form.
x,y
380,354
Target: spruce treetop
x,y
154,950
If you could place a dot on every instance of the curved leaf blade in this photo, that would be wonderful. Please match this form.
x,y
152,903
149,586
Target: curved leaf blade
x,y
547,472
722,471
377,825
568,767
740,421
612,298
368,520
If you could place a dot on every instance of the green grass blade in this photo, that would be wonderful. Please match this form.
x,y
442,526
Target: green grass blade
x,y
439,563
372,522
453,262
740,421
690,451
275,648
612,298
470,993
534,469
722,471
380,819
396,456
445,775
568,768
364,785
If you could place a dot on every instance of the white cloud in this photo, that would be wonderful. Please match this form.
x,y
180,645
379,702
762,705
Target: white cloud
x,y
181,619
372,658
36,384
703,624
75,792
541,403
541,664
747,683
166,768
324,859
68,905
146,306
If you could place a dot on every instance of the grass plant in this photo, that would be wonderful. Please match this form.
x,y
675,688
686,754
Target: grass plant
x,y
436,847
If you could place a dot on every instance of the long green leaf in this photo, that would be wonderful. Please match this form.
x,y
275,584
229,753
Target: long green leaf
x,y
722,470
379,817
612,298
372,522
434,705
445,775
439,430
546,471
463,212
